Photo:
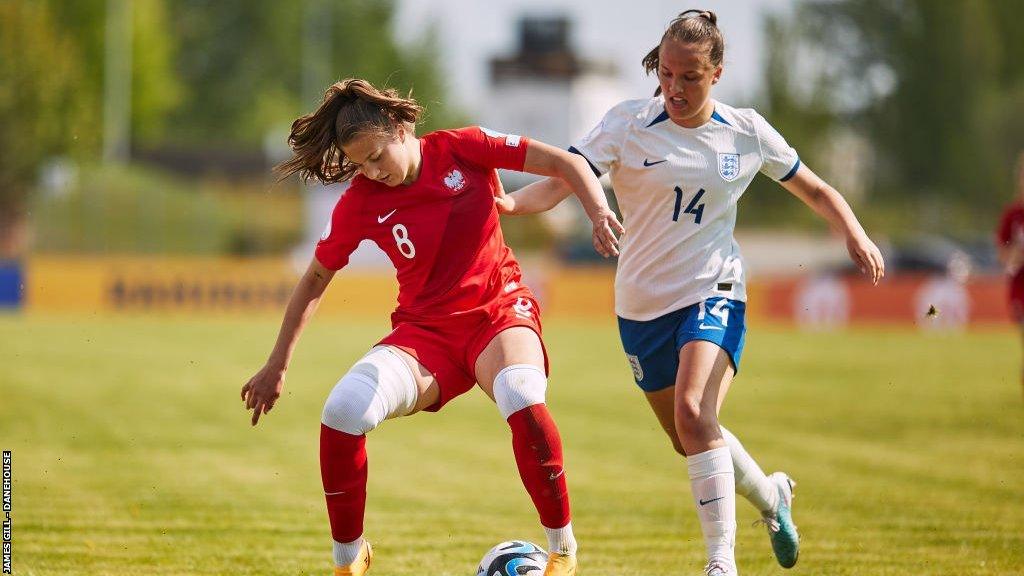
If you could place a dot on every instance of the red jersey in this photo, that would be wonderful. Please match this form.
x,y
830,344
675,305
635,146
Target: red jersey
x,y
441,232
1011,233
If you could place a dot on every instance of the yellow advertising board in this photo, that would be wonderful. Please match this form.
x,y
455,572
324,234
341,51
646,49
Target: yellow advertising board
x,y
190,285
259,285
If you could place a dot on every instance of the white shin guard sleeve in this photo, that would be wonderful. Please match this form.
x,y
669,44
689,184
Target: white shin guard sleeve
x,y
379,386
751,481
519,386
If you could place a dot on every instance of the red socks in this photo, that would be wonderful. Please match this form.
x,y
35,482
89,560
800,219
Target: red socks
x,y
343,470
538,451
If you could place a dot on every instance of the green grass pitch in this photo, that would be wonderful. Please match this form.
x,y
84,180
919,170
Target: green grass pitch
x,y
133,455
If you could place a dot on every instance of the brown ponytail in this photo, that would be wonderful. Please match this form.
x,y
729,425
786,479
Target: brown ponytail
x,y
690,27
350,108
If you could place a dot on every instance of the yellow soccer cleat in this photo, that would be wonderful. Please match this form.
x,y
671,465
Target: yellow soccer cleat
x,y
560,565
359,566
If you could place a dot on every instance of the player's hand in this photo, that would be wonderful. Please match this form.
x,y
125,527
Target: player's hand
x,y
261,392
607,230
866,256
506,204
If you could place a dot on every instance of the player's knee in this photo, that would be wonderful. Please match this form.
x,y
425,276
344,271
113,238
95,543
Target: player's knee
x,y
688,412
694,420
519,386
350,407
378,387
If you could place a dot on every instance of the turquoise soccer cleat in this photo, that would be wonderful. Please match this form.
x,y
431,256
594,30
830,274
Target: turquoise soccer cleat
x,y
781,529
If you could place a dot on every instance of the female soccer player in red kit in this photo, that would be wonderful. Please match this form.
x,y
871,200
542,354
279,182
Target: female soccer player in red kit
x,y
463,317
1010,246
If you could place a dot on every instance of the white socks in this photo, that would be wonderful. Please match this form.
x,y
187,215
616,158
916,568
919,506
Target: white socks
x,y
751,483
714,494
345,553
561,540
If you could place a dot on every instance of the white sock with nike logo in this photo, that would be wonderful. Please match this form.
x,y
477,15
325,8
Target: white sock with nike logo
x,y
714,494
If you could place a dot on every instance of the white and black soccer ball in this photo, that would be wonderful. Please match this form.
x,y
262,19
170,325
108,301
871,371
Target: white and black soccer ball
x,y
513,558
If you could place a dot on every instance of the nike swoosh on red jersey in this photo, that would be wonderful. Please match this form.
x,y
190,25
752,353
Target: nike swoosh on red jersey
x,y
381,219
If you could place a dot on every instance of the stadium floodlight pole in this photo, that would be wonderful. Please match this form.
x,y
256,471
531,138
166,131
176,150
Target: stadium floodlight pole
x,y
117,82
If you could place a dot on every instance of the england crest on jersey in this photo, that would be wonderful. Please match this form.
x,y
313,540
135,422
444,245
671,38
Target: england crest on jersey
x,y
728,165
634,363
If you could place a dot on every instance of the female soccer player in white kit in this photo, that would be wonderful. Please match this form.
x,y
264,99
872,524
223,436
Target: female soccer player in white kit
x,y
679,163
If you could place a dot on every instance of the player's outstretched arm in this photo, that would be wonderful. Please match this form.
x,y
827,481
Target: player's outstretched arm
x,y
573,169
261,392
533,198
828,203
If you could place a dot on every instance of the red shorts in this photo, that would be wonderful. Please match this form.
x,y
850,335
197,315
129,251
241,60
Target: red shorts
x,y
449,347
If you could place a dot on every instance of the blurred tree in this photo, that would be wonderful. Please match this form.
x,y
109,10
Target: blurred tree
x,y
44,112
930,84
243,62
1007,117
156,88
802,112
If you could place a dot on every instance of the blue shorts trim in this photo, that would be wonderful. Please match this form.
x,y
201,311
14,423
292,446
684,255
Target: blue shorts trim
x,y
652,346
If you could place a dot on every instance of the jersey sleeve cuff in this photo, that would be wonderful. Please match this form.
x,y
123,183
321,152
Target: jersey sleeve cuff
x,y
574,150
329,265
792,171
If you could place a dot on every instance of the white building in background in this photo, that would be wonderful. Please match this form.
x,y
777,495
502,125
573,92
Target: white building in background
x,y
545,89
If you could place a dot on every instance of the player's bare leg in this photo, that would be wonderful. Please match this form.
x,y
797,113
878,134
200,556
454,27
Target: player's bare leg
x,y
510,370
761,490
704,377
705,371
751,481
385,383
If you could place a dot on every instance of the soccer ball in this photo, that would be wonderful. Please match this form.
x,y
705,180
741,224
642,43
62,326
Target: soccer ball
x,y
513,558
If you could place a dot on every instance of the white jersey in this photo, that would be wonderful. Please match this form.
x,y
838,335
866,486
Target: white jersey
x,y
677,190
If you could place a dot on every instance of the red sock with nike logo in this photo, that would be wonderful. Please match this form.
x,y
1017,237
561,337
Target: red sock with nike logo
x,y
538,451
713,483
343,469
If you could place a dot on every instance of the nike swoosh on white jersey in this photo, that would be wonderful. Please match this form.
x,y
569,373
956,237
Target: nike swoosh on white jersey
x,y
704,326
381,219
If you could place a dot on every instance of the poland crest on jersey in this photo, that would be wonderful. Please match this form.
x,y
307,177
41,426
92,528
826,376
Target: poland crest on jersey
x,y
728,166
455,180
